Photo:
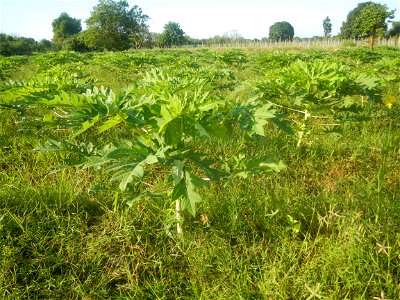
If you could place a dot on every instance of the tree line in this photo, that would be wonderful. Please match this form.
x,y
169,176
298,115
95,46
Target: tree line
x,y
368,20
114,26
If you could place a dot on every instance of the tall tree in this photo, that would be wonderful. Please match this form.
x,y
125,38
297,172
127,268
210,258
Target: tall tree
x,y
64,27
172,35
347,31
281,31
354,27
327,25
371,21
113,26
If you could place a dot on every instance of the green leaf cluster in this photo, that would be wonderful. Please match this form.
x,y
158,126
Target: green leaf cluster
x,y
368,19
327,25
281,31
172,35
164,115
319,94
112,25
65,27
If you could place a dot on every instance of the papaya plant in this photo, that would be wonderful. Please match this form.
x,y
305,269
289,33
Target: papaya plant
x,y
320,91
162,116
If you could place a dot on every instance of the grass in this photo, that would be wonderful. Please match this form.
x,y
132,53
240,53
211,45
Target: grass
x,y
326,228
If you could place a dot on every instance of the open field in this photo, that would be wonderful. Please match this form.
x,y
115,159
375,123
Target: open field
x,y
326,226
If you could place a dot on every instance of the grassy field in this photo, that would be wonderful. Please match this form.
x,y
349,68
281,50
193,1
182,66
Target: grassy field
x,y
326,227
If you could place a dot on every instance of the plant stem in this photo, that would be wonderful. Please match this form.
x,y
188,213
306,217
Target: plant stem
x,y
303,128
179,218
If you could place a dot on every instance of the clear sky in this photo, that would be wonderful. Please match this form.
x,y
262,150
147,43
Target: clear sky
x,y
198,18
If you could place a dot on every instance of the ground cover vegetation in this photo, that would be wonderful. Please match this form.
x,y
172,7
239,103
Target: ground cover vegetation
x,y
200,174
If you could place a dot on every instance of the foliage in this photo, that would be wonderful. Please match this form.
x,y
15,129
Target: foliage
x,y
394,31
165,114
10,64
76,43
233,58
64,27
229,38
347,30
113,26
366,20
44,45
10,45
327,25
371,21
359,56
281,31
320,91
144,39
327,227
172,35
234,36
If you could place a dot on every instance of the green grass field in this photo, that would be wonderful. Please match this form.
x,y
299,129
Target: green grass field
x,y
326,227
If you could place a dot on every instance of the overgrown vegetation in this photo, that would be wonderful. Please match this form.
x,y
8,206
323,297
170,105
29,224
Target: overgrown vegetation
x,y
142,129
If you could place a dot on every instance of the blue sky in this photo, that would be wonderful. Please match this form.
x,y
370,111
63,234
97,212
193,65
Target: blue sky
x,y
198,18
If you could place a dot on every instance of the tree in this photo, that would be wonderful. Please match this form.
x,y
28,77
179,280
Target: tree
x,y
64,27
371,21
234,36
6,45
355,27
327,27
281,31
347,31
76,43
11,45
44,45
172,35
113,26
394,31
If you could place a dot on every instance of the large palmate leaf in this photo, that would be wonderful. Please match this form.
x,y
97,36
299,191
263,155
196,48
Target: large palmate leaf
x,y
240,166
185,184
253,116
125,172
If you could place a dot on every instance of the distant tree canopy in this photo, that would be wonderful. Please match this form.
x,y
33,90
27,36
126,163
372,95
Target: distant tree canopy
x,y
368,19
44,45
172,35
11,45
233,36
113,26
76,43
394,31
281,31
64,27
327,25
